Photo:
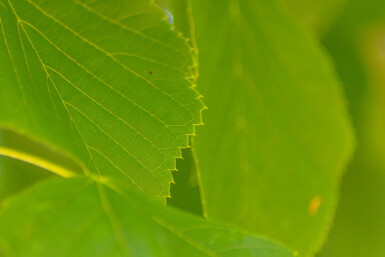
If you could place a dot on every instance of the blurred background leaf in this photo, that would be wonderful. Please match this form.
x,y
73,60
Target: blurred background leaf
x,y
357,44
277,136
316,15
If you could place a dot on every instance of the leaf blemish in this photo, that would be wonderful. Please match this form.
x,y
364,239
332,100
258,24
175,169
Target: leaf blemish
x,y
314,205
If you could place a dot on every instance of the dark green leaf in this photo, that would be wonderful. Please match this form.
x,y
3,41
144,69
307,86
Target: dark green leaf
x,y
185,192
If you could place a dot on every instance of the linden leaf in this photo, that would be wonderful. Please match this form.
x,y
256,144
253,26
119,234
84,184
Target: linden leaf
x,y
108,83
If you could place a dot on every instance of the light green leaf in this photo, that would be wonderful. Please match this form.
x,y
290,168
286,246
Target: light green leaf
x,y
357,46
78,217
317,16
277,136
107,83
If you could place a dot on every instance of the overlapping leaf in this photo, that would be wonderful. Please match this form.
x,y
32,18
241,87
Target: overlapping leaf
x,y
101,222
276,137
105,82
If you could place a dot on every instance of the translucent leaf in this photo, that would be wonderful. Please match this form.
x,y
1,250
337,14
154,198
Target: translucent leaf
x,y
78,217
107,83
277,136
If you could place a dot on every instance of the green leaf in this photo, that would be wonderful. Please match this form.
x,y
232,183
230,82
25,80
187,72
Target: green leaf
x,y
317,16
107,83
277,136
78,217
356,44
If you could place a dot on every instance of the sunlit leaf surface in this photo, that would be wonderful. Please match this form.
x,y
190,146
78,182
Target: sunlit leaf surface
x,y
276,137
108,83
